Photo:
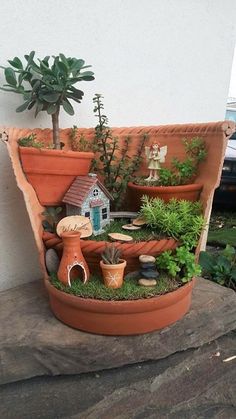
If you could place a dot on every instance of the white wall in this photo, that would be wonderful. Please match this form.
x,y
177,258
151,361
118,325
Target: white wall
x,y
155,62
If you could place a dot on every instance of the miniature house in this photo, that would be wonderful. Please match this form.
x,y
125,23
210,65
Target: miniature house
x,y
88,196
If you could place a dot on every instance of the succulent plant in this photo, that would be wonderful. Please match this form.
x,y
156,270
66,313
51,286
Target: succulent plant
x,y
111,255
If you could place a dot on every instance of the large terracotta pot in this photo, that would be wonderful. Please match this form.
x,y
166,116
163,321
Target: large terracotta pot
x,y
92,250
189,192
51,172
120,317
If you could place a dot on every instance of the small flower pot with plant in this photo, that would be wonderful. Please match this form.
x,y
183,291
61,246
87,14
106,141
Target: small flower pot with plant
x,y
48,87
176,181
112,267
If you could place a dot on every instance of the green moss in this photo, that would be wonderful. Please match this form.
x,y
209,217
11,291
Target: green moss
x,y
144,234
130,290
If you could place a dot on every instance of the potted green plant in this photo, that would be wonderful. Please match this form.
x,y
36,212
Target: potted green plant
x,y
175,181
48,85
112,266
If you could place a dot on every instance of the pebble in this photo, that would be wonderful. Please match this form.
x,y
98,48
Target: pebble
x,y
147,259
149,274
132,275
147,282
52,261
148,265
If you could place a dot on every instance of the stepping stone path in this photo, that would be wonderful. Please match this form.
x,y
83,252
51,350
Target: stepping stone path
x,y
148,271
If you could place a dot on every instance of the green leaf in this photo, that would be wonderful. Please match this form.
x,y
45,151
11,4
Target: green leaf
x,y
207,261
77,65
30,57
39,107
23,107
62,68
10,90
76,92
45,69
229,252
68,108
10,76
64,60
52,108
31,105
16,62
51,97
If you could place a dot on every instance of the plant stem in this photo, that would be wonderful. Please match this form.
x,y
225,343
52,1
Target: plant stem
x,y
55,126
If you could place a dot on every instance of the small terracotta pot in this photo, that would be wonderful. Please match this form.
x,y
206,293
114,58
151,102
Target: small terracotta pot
x,y
113,275
51,172
72,259
189,192
120,317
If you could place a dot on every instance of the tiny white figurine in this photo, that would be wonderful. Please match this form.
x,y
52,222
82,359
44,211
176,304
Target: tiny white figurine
x,y
155,155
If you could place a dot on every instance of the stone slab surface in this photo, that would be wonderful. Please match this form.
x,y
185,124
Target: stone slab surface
x,y
193,384
34,343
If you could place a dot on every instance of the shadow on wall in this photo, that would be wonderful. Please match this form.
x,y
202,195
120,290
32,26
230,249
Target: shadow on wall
x,y
18,257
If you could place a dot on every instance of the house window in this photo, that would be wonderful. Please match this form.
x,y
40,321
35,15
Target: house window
x,y
95,192
104,213
87,214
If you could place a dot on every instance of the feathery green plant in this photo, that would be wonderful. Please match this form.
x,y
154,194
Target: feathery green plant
x,y
179,219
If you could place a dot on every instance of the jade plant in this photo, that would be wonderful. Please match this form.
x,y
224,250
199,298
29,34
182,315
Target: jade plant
x,y
184,171
179,219
112,161
47,85
179,264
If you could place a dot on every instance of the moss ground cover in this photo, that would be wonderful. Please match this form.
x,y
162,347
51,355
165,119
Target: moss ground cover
x,y
144,234
130,290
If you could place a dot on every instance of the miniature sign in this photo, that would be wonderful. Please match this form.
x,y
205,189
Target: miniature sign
x,y
75,223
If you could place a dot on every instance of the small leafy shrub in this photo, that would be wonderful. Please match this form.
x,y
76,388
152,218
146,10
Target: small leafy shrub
x,y
179,264
220,267
78,142
181,172
179,219
51,220
112,162
111,255
30,141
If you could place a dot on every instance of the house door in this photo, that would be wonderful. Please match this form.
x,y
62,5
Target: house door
x,y
96,218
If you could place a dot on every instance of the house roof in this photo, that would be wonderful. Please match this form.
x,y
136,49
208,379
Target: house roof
x,y
80,188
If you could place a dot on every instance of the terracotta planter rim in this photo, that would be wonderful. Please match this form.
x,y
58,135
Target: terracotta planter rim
x,y
168,189
56,153
118,306
115,265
